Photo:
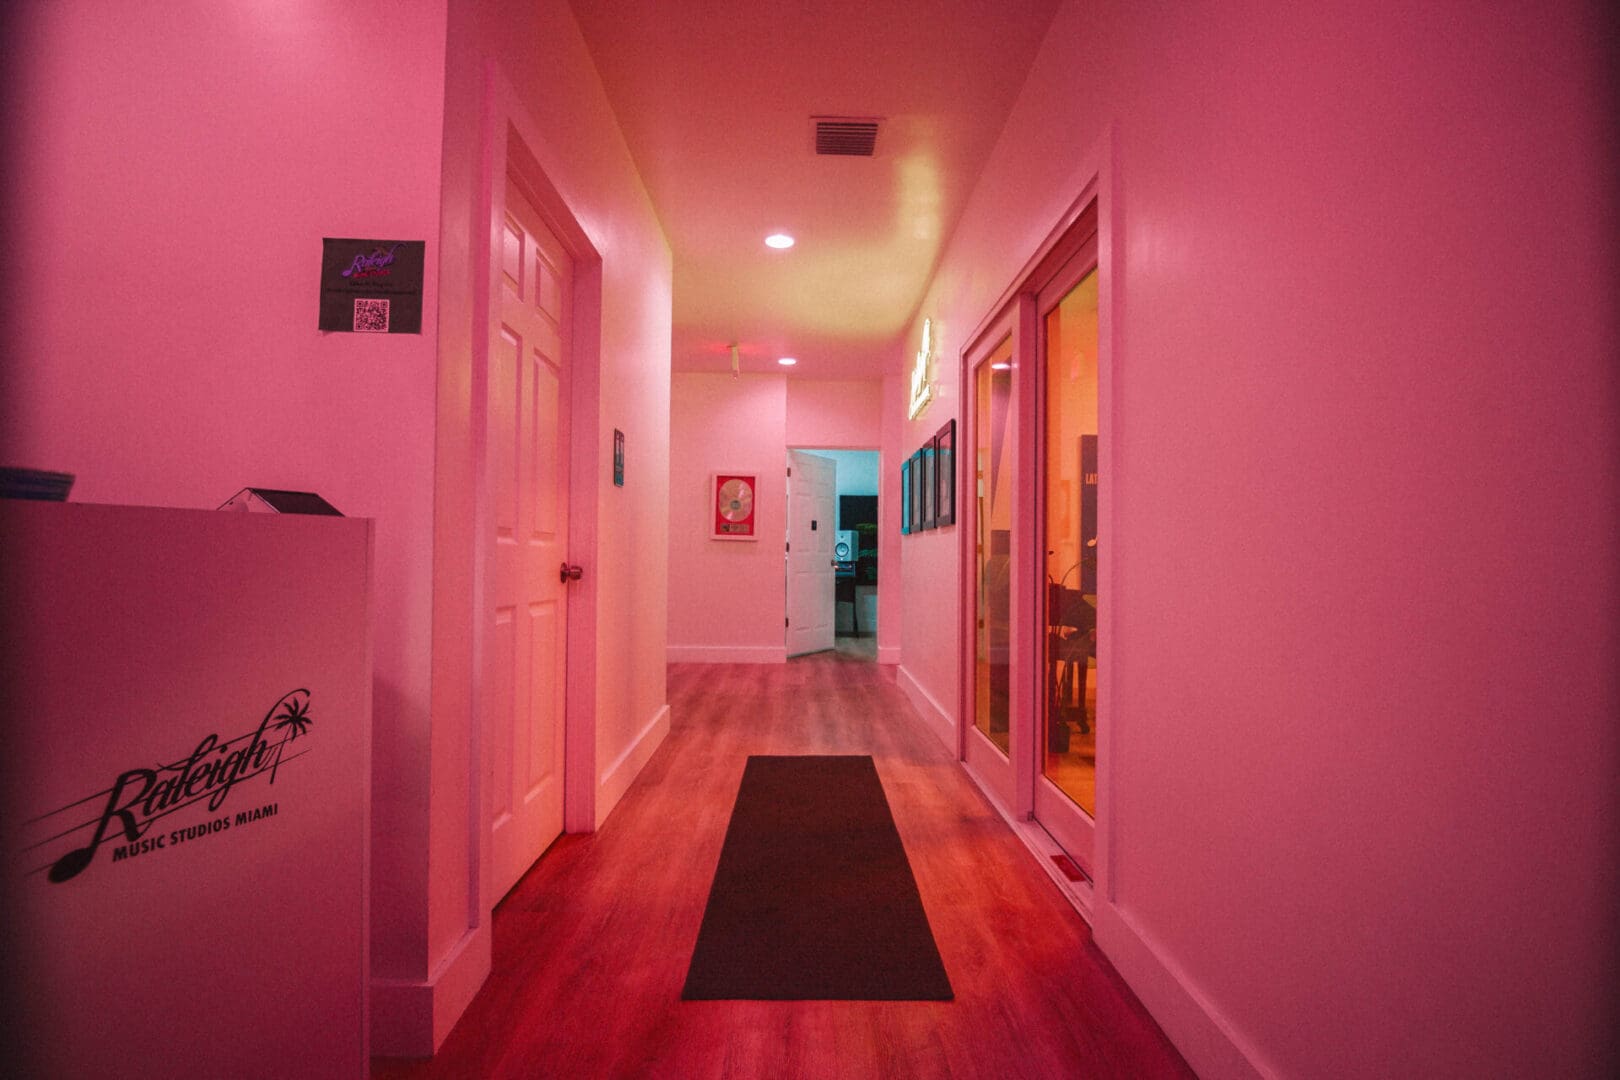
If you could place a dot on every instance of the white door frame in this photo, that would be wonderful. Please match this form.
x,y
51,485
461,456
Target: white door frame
x,y
823,544
509,138
1015,312
993,770
887,579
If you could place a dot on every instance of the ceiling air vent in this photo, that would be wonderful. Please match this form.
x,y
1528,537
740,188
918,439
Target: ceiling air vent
x,y
845,136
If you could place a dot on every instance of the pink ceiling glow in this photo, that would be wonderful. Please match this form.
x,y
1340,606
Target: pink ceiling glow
x,y
716,99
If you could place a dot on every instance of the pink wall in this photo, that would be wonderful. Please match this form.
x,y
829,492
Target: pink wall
x,y
928,656
834,414
540,50
891,569
727,599
528,66
173,178
176,176
1364,650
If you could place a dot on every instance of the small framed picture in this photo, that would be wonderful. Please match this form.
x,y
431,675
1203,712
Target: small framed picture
x,y
945,474
918,492
732,499
930,485
905,497
618,458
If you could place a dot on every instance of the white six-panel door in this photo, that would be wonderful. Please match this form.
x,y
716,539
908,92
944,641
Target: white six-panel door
x,y
812,486
527,471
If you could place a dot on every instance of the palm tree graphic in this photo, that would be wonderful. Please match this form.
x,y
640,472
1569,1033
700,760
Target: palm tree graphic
x,y
294,716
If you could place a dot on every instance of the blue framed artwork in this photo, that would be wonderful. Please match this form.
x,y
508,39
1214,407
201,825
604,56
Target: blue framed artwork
x,y
905,497
919,492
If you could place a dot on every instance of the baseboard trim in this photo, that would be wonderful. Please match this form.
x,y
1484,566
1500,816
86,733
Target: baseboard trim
x,y
618,777
412,1018
888,654
1205,1038
932,712
726,654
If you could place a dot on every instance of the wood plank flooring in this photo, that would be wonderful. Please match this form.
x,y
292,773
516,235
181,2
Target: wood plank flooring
x,y
591,947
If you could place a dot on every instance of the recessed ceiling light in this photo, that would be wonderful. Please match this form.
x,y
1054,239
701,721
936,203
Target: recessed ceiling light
x,y
787,361
779,240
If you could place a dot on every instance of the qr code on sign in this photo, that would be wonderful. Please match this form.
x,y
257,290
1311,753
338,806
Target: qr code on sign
x,y
371,316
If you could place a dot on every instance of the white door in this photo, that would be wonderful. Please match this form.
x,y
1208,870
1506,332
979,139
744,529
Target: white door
x,y
812,482
527,470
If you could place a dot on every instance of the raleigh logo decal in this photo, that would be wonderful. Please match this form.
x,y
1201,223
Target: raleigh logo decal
x,y
141,797
374,265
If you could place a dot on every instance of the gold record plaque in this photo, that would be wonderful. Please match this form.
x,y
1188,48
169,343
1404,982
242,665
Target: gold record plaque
x,y
733,505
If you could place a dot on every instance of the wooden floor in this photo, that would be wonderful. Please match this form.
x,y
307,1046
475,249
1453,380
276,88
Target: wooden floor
x,y
591,947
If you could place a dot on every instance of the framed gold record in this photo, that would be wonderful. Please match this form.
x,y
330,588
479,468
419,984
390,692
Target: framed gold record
x,y
732,498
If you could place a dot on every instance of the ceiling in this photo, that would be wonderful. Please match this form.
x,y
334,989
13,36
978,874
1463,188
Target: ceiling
x,y
716,97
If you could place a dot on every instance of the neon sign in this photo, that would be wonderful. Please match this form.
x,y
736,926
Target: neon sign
x,y
922,371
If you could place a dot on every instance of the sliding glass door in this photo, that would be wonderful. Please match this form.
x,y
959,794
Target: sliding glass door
x,y
1066,796
1031,380
988,513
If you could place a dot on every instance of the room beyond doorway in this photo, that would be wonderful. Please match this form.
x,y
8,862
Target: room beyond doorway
x,y
863,648
855,580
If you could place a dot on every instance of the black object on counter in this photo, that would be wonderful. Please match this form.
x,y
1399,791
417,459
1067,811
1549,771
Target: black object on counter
x,y
271,501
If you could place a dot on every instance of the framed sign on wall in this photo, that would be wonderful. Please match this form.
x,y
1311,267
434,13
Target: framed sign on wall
x,y
945,474
372,286
930,489
919,492
905,497
731,506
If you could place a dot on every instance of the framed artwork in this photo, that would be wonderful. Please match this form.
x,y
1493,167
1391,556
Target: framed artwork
x,y
916,500
731,506
930,486
945,474
905,497
618,458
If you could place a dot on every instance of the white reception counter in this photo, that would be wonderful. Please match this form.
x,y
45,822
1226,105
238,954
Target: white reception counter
x,y
187,707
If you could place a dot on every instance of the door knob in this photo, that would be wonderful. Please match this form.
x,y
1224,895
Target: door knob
x,y
570,573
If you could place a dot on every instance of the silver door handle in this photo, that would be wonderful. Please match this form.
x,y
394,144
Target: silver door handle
x,y
570,573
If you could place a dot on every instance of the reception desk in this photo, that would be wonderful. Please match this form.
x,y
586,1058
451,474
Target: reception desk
x,y
187,707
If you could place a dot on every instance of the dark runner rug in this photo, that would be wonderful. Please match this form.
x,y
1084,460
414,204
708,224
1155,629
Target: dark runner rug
x,y
813,898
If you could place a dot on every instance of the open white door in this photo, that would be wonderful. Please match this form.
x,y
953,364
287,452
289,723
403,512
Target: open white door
x,y
812,482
